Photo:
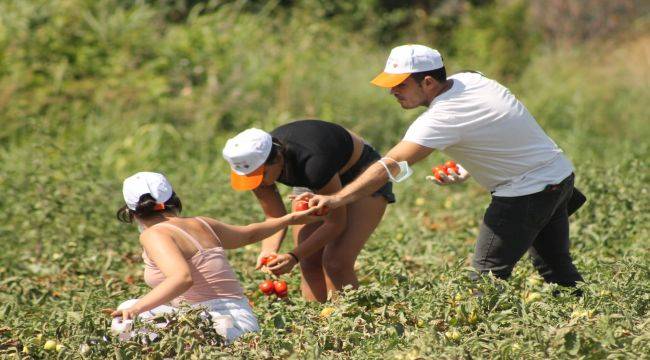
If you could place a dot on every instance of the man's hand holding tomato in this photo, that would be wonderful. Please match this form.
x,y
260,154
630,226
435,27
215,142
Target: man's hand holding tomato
x,y
448,174
303,202
324,202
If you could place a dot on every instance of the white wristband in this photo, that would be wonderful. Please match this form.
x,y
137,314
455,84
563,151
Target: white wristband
x,y
404,170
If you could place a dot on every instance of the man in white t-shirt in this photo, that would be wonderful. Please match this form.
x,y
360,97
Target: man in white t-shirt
x,y
481,125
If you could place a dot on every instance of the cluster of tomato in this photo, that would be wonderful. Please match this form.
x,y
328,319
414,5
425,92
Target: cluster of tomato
x,y
269,287
278,287
303,205
445,169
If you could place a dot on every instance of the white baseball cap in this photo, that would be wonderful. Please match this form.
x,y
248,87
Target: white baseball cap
x,y
142,183
246,153
405,60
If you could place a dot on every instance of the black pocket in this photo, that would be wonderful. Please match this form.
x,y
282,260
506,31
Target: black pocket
x,y
542,205
576,201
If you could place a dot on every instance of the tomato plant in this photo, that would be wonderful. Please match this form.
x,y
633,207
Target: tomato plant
x,y
93,91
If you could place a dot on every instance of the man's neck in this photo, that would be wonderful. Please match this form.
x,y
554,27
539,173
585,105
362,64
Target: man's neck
x,y
446,86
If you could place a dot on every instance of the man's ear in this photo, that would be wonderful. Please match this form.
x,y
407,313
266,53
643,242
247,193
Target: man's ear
x,y
429,82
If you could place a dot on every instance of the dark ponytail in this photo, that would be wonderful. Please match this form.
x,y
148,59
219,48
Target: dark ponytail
x,y
276,148
147,207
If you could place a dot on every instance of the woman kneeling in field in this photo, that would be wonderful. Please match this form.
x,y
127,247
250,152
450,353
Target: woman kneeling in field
x,y
185,259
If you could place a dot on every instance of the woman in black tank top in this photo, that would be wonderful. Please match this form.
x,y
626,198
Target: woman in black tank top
x,y
319,156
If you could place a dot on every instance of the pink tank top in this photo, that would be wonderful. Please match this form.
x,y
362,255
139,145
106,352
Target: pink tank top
x,y
212,275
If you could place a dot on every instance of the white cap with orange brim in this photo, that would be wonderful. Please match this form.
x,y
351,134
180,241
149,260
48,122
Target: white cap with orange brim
x,y
405,60
246,153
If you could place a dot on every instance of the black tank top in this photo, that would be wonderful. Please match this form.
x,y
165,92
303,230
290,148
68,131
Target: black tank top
x,y
315,151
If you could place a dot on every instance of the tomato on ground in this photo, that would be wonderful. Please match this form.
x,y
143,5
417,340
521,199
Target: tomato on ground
x,y
280,287
266,287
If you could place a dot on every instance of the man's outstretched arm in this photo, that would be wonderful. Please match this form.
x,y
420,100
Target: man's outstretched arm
x,y
374,177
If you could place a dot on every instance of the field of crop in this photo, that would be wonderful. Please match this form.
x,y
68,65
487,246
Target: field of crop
x,y
91,92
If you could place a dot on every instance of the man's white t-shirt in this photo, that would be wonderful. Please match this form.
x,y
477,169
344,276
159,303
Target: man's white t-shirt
x,y
482,126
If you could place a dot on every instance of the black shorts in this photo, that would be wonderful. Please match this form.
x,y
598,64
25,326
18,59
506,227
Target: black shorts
x,y
368,156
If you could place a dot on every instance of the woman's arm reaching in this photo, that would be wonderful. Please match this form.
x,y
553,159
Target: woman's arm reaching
x,y
234,236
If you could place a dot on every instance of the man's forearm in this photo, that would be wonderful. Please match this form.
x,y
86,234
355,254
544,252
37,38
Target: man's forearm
x,y
373,178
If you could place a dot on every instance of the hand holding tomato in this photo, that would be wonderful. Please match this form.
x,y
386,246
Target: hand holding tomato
x,y
303,205
263,258
266,259
283,264
299,216
448,173
304,214
452,167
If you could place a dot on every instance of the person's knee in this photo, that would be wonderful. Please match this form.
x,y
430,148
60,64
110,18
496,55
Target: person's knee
x,y
335,266
311,267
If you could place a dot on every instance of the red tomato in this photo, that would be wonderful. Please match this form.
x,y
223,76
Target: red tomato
x,y
322,212
266,287
282,295
301,206
267,259
280,287
437,170
451,166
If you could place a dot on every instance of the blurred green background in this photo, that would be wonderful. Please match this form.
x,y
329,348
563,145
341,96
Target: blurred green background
x,y
92,91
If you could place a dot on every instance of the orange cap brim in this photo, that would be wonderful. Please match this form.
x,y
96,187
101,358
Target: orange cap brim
x,y
247,182
387,80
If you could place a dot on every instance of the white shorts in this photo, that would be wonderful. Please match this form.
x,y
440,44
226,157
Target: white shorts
x,y
231,318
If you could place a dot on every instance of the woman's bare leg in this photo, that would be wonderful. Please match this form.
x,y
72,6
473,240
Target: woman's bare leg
x,y
339,256
312,280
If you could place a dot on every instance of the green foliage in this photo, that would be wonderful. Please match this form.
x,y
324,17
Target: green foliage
x,y
498,39
91,91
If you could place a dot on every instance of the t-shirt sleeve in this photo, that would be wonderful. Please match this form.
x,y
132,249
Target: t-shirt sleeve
x,y
432,131
319,171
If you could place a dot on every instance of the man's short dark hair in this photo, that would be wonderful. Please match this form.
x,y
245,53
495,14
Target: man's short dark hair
x,y
440,75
